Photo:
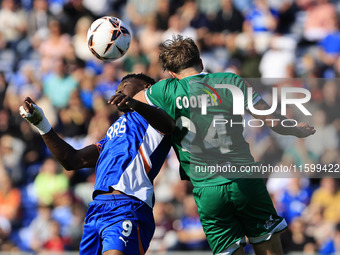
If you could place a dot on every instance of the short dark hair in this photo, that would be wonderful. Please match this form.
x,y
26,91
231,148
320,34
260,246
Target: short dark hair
x,y
179,53
140,76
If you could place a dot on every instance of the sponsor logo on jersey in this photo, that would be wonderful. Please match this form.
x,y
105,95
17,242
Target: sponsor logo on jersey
x,y
270,222
125,242
117,129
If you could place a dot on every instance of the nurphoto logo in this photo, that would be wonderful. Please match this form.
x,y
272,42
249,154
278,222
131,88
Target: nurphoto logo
x,y
239,99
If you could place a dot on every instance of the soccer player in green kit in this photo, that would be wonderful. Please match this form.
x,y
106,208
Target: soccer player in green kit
x,y
230,206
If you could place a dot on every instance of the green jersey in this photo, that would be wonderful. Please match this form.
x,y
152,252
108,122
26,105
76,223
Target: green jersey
x,y
209,138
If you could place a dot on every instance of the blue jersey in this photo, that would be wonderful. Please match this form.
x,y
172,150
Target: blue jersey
x,y
131,155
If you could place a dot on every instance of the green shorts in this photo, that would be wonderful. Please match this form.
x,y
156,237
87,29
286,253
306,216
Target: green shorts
x,y
234,210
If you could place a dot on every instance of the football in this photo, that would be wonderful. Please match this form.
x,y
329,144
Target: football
x,y
108,38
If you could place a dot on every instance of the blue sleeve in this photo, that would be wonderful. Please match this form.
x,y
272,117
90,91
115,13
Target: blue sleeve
x,y
101,143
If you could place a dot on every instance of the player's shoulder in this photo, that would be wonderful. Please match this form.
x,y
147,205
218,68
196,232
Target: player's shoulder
x,y
224,75
228,78
134,121
163,85
164,82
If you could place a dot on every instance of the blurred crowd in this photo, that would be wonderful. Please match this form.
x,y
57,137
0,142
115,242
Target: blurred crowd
x,y
44,55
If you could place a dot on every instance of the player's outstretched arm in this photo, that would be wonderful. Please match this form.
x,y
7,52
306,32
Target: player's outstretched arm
x,y
301,130
156,117
67,156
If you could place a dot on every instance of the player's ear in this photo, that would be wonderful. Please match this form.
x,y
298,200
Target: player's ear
x,y
202,66
146,86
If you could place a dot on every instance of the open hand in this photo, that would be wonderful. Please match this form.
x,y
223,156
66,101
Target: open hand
x,y
122,101
304,130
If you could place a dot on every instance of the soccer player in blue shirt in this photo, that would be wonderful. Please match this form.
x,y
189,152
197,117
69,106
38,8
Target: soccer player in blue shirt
x,y
119,220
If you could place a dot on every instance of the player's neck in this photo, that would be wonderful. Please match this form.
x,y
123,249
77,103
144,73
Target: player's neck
x,y
187,72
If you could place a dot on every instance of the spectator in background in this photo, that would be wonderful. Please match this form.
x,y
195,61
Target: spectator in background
x,y
176,25
52,49
5,232
192,16
272,153
34,152
107,82
100,122
326,242
325,140
10,198
11,102
56,6
227,20
55,242
74,65
334,244
98,8
330,103
74,118
224,28
247,55
337,68
329,49
327,199
3,89
288,12
75,231
49,182
11,151
79,39
72,11
162,15
165,237
189,229
167,179
26,82
136,53
62,212
277,61
86,87
38,20
180,190
138,11
260,22
299,154
294,239
83,192
149,38
261,18
37,233
59,85
321,20
295,199
4,122
13,24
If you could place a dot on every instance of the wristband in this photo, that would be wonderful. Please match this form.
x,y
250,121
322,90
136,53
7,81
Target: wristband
x,y
37,119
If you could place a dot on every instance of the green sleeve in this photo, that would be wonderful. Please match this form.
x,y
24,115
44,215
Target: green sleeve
x,y
161,94
244,85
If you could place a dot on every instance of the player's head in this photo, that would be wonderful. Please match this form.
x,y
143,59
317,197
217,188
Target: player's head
x,y
131,84
178,54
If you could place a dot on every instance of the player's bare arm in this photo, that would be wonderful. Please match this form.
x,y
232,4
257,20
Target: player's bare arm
x,y
301,130
157,118
65,154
